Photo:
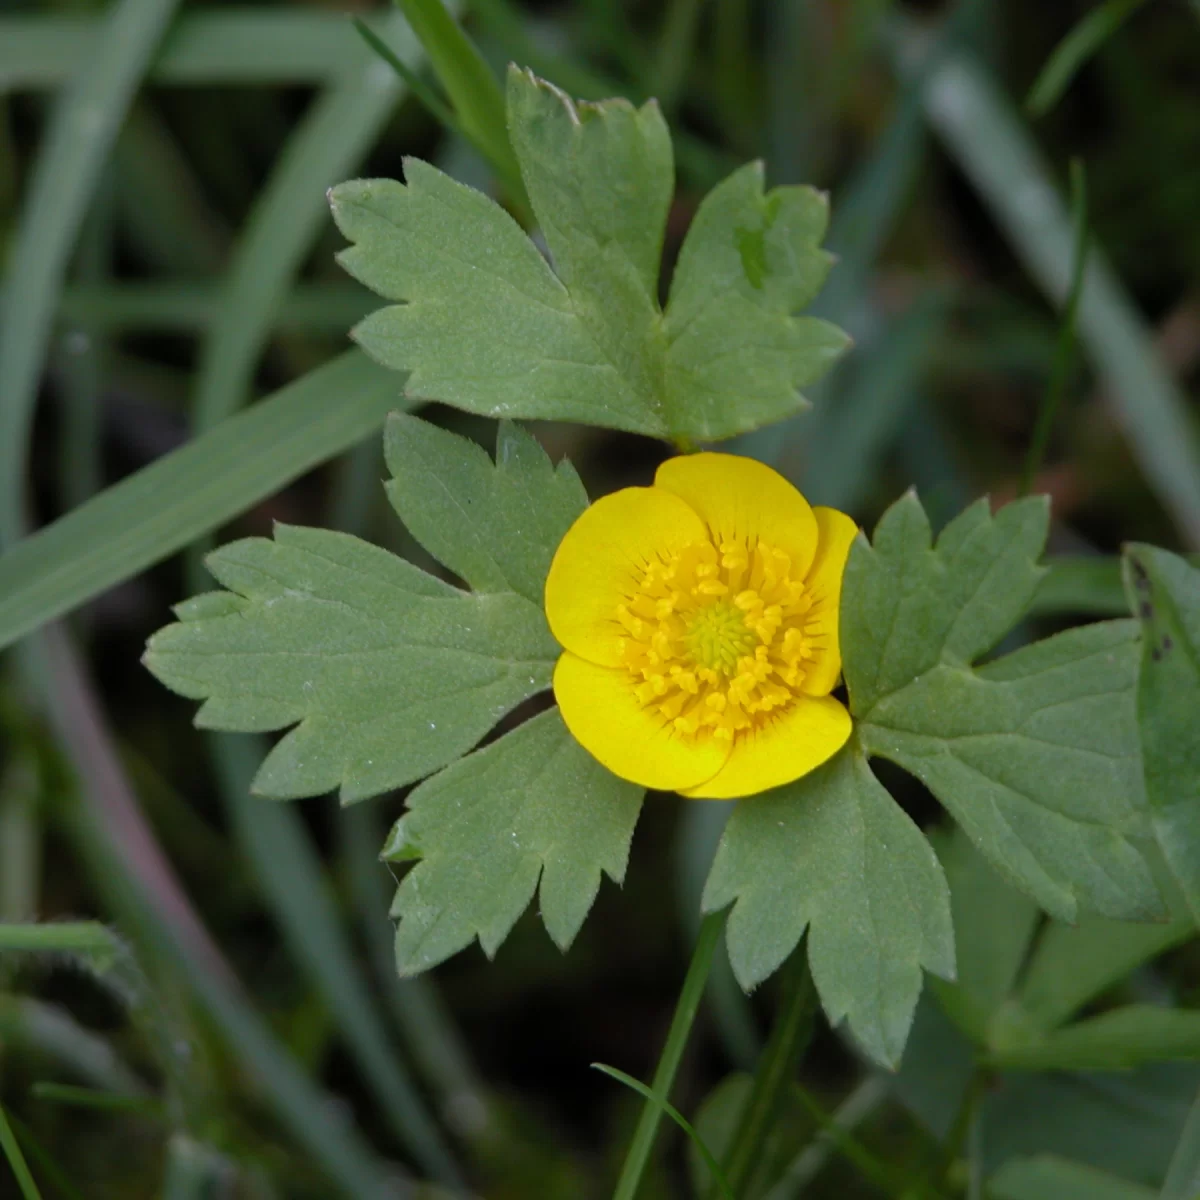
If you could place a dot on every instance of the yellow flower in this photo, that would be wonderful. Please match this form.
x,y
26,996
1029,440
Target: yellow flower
x,y
699,624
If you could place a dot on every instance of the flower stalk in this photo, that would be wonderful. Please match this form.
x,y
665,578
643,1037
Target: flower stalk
x,y
788,1041
686,1007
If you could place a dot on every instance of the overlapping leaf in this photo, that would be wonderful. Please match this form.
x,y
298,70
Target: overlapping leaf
x,y
1164,592
389,672
1036,754
481,320
496,527
534,804
832,853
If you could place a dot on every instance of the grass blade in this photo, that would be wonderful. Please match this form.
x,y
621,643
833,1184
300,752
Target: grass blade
x,y
187,307
1074,50
329,141
474,91
73,154
983,133
45,1161
96,1099
1064,349
88,939
143,892
52,1033
167,505
235,46
274,840
16,1160
666,1106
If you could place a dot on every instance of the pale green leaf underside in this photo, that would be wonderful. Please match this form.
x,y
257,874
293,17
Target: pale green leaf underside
x,y
1036,756
1164,591
532,805
387,673
833,853
481,321
495,526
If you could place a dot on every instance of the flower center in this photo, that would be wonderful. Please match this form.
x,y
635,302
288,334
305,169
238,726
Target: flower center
x,y
719,637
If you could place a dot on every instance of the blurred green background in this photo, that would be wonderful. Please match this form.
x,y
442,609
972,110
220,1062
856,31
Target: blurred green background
x,y
169,262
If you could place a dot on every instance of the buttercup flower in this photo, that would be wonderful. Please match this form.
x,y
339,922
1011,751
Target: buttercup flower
x,y
699,626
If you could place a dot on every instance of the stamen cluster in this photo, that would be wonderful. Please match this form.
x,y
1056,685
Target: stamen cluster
x,y
718,637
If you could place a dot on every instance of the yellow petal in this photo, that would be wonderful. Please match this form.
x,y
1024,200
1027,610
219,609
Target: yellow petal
x,y
741,498
600,709
599,562
800,739
835,534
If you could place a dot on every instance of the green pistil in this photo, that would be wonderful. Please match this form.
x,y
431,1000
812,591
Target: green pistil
x,y
717,637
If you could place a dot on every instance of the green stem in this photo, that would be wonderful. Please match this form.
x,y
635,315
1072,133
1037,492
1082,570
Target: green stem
x,y
690,996
788,1041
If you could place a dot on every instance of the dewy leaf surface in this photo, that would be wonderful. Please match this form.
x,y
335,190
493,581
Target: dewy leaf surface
x,y
1036,755
496,527
1164,592
390,673
834,854
533,804
483,322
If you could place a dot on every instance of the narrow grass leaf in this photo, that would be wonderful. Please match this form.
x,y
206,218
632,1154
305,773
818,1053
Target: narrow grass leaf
x,y
88,939
74,150
474,91
16,1160
289,872
985,136
163,507
258,47
331,138
44,1160
97,1100
642,1090
1070,55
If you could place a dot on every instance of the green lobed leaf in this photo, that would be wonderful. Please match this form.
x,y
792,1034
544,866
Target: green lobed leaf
x,y
482,321
910,605
834,854
1118,1040
737,353
1035,755
390,673
496,527
1164,592
533,805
